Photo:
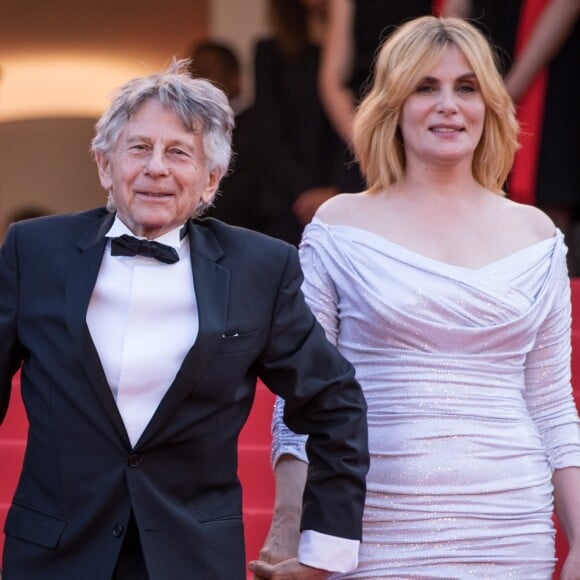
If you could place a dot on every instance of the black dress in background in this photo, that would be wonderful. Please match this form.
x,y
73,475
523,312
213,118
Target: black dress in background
x,y
298,149
558,173
499,21
238,199
374,20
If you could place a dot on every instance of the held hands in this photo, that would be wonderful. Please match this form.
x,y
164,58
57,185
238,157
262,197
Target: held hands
x,y
282,540
276,562
277,559
280,548
287,570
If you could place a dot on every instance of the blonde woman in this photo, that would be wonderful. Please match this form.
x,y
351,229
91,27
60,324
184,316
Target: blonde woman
x,y
453,305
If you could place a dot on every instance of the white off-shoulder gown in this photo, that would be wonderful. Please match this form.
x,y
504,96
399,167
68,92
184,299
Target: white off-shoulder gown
x,y
467,379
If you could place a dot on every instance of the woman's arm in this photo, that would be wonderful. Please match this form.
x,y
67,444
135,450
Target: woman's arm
x,y
457,8
551,31
567,501
548,396
336,66
284,534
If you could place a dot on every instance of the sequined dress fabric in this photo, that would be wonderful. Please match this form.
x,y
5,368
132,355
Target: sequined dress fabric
x,y
466,375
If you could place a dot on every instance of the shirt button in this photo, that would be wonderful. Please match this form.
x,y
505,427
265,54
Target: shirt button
x,y
134,460
118,530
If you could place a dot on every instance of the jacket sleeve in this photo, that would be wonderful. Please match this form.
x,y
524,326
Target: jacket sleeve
x,y
324,401
322,298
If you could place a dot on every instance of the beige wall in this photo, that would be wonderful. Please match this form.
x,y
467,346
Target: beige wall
x,y
241,23
46,163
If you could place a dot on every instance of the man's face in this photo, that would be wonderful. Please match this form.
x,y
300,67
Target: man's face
x,y
156,172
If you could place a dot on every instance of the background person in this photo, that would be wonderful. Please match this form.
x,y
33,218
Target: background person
x,y
302,160
356,29
238,201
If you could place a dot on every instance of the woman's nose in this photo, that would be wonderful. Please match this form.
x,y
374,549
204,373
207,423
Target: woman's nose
x,y
447,102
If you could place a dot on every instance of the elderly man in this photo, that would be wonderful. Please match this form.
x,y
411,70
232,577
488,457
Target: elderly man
x,y
141,330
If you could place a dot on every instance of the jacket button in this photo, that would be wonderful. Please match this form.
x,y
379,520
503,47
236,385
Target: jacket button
x,y
118,530
134,460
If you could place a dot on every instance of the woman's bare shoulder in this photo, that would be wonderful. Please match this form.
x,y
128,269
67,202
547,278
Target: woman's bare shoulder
x,y
530,219
338,210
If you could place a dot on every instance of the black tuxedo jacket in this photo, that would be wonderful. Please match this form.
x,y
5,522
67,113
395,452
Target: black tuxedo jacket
x,y
81,479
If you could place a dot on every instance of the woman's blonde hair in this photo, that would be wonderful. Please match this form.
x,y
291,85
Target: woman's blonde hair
x,y
402,61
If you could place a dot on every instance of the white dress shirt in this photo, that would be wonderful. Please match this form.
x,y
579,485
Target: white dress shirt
x,y
143,319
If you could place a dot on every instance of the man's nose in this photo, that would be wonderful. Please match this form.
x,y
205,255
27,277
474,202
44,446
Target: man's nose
x,y
156,164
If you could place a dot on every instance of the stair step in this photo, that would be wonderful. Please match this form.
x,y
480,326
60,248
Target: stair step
x,y
256,477
256,525
257,428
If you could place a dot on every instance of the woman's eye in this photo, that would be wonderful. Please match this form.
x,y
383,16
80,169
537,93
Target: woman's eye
x,y
425,88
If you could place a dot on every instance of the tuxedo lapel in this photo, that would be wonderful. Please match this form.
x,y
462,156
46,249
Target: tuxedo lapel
x,y
82,275
211,283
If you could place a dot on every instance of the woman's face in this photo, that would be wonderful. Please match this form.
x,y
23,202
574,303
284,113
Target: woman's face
x,y
442,120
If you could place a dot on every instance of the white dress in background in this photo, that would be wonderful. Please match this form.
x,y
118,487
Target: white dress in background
x,y
467,379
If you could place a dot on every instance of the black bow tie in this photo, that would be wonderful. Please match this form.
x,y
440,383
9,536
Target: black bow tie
x,y
129,246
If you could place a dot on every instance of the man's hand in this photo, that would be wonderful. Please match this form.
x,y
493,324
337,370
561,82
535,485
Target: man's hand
x,y
287,570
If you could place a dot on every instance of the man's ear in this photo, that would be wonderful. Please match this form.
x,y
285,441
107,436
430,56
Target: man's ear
x,y
213,182
104,168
